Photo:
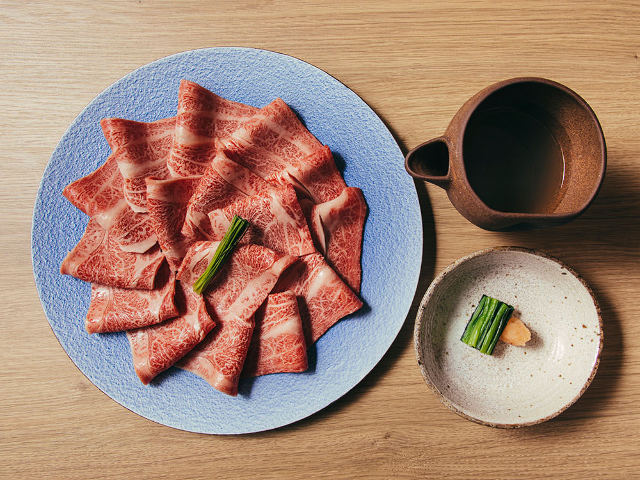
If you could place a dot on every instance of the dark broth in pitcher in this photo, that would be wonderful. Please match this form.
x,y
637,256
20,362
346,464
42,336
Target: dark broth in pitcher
x,y
513,161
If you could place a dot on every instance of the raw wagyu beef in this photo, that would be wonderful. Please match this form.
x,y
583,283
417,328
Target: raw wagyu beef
x,y
98,258
337,227
100,196
120,131
156,348
315,176
275,221
233,297
323,298
167,203
276,146
115,309
213,192
271,141
203,118
240,177
162,202
99,191
278,343
140,150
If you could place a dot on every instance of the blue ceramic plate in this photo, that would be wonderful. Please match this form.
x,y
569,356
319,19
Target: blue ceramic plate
x,y
391,253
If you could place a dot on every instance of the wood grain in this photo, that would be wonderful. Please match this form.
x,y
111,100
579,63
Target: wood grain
x,y
414,63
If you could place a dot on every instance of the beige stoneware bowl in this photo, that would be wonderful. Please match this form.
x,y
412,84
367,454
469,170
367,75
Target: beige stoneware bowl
x,y
516,386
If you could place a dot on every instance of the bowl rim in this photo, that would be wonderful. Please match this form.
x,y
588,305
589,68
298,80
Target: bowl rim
x,y
427,297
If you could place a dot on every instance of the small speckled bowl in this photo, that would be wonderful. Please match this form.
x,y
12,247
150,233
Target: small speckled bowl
x,y
516,386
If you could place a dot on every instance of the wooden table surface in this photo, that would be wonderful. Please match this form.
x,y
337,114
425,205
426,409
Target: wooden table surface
x,y
414,63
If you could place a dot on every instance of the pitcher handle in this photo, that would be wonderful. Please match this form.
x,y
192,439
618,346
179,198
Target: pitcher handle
x,y
430,161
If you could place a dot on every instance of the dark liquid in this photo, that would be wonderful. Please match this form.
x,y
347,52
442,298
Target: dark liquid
x,y
513,162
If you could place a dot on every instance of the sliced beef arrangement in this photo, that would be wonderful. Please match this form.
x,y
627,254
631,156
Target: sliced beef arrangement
x,y
159,207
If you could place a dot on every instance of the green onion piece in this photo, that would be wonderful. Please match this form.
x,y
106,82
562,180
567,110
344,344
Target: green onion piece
x,y
486,324
472,324
487,320
499,322
227,244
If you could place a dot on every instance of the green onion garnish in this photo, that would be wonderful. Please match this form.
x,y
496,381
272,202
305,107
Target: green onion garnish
x,y
227,244
486,324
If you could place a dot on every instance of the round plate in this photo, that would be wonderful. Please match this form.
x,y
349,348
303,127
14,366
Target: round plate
x,y
371,160
516,386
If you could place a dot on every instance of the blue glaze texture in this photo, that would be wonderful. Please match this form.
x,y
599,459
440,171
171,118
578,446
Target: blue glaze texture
x,y
391,255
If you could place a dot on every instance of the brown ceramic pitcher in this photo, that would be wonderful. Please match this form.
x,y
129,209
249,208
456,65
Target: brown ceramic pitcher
x,y
522,152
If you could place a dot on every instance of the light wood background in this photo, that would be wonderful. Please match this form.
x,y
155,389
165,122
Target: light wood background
x,y
415,63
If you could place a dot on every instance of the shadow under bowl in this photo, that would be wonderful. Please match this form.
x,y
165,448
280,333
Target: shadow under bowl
x,y
516,386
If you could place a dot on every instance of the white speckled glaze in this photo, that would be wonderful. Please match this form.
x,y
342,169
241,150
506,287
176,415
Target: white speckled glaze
x,y
516,386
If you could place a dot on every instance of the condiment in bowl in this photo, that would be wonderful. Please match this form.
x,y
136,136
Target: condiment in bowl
x,y
515,386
